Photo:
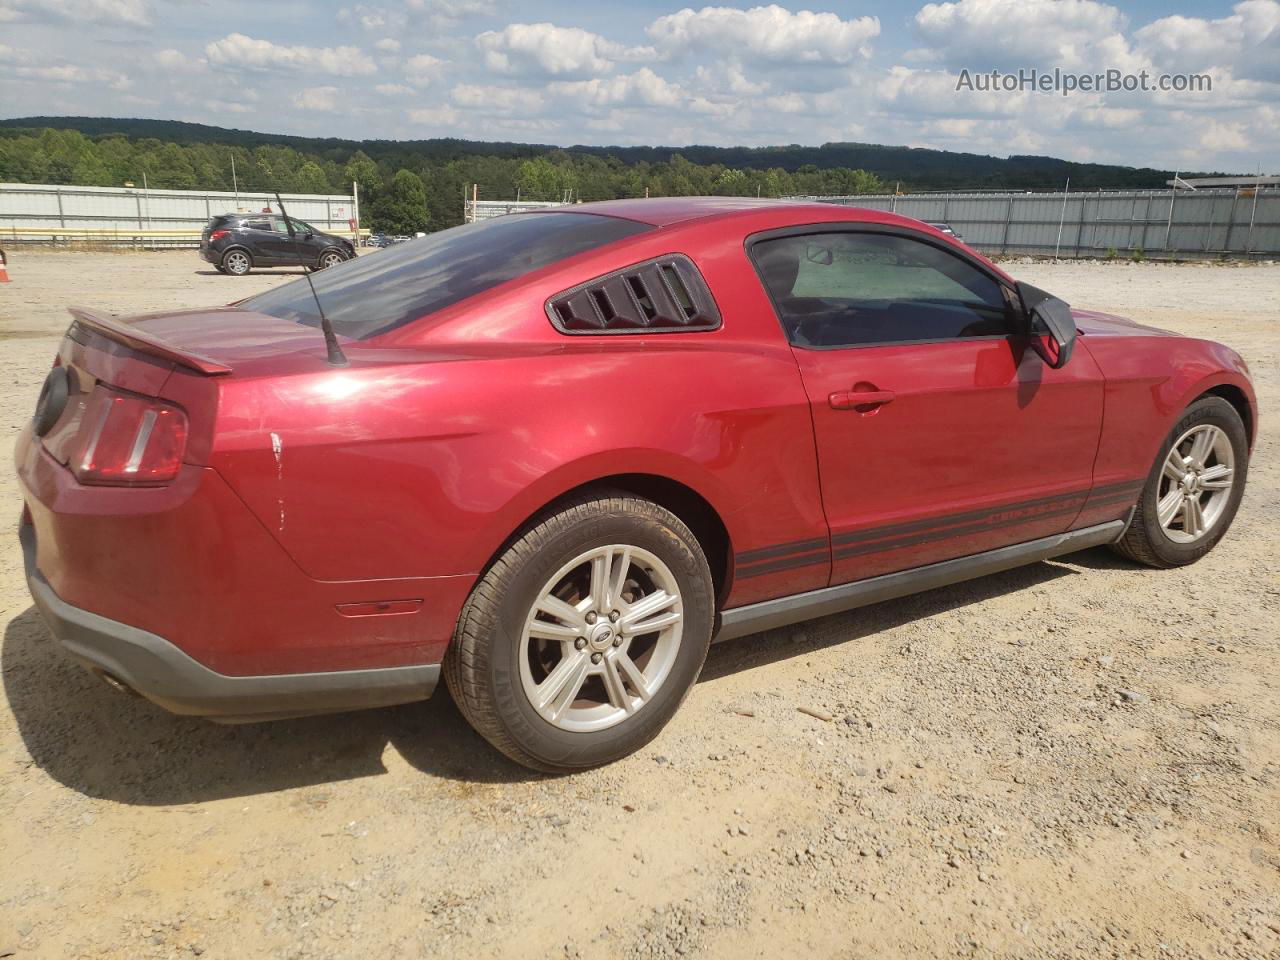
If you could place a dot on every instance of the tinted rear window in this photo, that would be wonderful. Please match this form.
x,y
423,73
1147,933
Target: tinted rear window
x,y
384,290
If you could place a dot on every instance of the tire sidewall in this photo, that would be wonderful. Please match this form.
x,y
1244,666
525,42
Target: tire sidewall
x,y
563,748
322,263
1211,410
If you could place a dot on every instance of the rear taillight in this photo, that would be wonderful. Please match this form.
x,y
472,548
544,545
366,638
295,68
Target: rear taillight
x,y
219,234
127,439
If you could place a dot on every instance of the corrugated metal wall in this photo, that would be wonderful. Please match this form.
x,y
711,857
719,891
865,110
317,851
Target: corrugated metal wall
x,y
1204,223
41,212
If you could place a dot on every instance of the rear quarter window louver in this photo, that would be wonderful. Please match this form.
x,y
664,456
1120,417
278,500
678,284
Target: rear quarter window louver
x,y
663,295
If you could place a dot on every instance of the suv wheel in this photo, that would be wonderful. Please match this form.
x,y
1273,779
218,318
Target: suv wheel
x,y
330,258
1194,489
237,262
581,641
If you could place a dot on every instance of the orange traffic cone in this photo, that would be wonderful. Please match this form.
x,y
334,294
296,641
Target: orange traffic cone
x,y
4,274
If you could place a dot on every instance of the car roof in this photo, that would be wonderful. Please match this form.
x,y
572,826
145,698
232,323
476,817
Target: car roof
x,y
665,211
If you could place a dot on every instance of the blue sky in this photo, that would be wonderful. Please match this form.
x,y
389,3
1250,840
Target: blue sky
x,y
662,73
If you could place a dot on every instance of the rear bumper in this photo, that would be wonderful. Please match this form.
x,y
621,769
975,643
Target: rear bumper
x,y
164,674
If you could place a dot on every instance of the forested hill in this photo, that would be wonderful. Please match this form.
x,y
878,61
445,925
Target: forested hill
x,y
105,151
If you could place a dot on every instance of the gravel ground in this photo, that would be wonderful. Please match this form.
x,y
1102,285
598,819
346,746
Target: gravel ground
x,y
1073,759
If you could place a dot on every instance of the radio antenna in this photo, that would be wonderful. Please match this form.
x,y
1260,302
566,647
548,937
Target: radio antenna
x,y
336,356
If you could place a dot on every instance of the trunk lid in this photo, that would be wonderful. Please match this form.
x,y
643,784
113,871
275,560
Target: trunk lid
x,y
214,341
177,357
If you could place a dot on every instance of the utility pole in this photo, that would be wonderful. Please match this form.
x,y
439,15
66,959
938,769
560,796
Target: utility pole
x,y
355,209
147,193
1062,219
235,184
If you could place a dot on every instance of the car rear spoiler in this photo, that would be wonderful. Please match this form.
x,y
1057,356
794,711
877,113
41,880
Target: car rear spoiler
x,y
144,342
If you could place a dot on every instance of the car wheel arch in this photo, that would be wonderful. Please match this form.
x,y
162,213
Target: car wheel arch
x,y
686,502
1238,399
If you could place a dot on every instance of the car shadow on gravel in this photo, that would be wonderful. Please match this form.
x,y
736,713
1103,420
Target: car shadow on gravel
x,y
107,744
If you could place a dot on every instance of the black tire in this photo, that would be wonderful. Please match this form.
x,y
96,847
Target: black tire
x,y
481,667
330,258
1146,541
237,262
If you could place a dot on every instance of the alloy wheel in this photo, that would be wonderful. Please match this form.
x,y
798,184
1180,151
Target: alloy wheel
x,y
1195,483
330,260
236,262
601,638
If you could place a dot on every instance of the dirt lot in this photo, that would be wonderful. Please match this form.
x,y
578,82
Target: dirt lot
x,y
1075,759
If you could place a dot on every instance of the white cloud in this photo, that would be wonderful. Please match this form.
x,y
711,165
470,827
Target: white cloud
x,y
1248,41
423,70
544,48
489,99
435,116
238,51
772,34
1225,136
226,106
316,98
388,45
1032,33
644,88
393,89
371,18
129,12
448,11
175,61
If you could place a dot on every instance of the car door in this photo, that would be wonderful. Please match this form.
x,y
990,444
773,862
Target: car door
x,y
940,431
289,248
259,236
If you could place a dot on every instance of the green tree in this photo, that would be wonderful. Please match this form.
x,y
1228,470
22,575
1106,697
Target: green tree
x,y
363,171
402,206
311,179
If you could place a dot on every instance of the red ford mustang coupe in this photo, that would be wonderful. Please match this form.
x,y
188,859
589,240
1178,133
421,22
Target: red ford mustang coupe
x,y
555,455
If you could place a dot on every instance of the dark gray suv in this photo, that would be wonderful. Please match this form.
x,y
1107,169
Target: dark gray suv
x,y
235,243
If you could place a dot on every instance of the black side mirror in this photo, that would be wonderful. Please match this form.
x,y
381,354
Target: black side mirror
x,y
1049,318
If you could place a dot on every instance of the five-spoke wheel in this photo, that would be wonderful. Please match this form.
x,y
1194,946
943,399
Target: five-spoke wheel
x,y
580,641
1196,482
601,638
1194,488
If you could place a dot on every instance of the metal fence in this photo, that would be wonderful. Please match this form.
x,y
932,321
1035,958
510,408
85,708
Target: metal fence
x,y
43,213
486,209
1179,224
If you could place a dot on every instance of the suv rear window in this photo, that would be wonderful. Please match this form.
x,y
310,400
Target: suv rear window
x,y
384,290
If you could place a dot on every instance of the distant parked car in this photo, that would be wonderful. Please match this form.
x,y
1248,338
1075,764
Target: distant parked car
x,y
945,228
235,243
377,240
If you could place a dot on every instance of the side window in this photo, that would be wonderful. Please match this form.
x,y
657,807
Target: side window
x,y
282,228
856,289
257,225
